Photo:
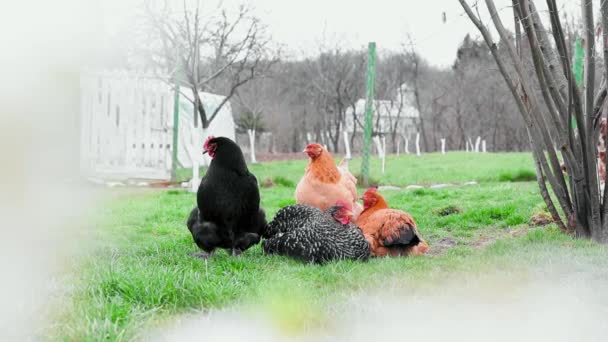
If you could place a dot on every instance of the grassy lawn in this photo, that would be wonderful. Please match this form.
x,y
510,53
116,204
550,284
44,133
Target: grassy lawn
x,y
139,274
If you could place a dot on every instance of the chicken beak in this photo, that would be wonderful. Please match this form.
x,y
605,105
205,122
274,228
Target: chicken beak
x,y
305,150
205,152
349,214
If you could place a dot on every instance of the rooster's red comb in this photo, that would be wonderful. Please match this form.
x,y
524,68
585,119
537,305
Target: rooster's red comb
x,y
372,189
314,145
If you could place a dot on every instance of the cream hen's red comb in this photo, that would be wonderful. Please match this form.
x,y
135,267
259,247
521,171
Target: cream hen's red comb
x,y
206,144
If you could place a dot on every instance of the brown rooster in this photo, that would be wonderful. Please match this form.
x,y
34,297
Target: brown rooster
x,y
324,183
390,232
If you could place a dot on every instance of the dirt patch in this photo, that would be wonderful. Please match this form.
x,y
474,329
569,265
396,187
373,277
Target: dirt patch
x,y
488,237
441,246
485,239
267,183
482,240
541,219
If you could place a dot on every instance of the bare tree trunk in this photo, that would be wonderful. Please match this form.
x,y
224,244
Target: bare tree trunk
x,y
604,11
493,48
549,118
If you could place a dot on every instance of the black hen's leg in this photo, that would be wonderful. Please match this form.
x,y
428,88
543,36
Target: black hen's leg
x,y
246,240
202,254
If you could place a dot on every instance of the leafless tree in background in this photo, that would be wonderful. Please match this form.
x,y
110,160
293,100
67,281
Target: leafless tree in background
x,y
335,84
229,53
253,101
548,117
393,92
415,61
217,52
465,101
480,102
221,51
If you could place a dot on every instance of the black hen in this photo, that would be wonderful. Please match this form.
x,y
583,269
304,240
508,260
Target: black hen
x,y
228,213
312,235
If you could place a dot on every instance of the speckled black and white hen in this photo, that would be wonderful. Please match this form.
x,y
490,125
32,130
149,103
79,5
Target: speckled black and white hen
x,y
309,234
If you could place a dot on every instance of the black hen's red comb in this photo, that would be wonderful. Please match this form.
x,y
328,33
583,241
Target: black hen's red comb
x,y
206,144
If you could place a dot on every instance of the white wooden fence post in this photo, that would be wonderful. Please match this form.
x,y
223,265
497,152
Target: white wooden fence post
x,y
483,146
418,144
380,147
407,146
477,142
251,133
273,141
442,145
466,143
383,153
398,146
347,145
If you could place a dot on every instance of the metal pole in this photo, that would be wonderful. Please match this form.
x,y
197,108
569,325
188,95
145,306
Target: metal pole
x,y
175,132
367,131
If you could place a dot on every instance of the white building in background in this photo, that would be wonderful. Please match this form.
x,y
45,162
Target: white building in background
x,y
387,113
127,126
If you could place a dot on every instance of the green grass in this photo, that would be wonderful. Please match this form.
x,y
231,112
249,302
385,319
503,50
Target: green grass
x,y
139,273
410,169
523,175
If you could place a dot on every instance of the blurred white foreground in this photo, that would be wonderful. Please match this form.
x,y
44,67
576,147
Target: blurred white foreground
x,y
563,302
45,43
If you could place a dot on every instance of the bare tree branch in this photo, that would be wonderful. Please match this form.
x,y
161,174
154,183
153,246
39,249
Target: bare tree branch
x,y
214,52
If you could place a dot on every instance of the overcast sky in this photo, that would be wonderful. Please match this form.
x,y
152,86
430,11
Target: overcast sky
x,y
300,25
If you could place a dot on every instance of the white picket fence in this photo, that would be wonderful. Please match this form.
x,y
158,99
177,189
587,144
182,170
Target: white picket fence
x,y
127,126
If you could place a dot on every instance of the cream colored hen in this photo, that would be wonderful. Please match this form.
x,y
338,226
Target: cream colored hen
x,y
324,183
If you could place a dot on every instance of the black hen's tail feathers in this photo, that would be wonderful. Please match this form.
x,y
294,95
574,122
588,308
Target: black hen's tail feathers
x,y
192,219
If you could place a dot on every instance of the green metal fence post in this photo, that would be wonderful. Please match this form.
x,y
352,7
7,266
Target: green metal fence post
x,y
367,130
